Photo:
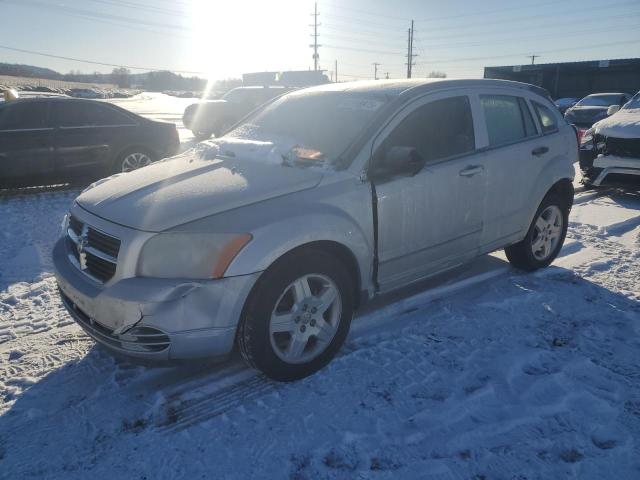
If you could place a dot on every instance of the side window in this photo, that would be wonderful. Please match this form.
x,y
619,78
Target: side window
x,y
86,114
105,115
437,130
71,114
24,116
508,119
546,117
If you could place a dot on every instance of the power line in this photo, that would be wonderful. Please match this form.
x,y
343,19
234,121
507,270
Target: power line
x,y
569,33
510,55
131,67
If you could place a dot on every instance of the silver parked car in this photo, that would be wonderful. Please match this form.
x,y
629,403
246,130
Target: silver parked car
x,y
273,235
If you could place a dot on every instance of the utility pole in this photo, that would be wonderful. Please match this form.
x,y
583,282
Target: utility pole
x,y
336,70
533,58
315,45
375,70
410,54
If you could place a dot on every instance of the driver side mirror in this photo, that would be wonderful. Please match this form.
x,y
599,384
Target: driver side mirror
x,y
613,109
395,161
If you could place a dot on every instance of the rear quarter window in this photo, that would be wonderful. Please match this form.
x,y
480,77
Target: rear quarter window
x,y
546,117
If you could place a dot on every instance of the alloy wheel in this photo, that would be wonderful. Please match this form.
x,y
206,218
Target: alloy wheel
x,y
547,232
133,161
305,319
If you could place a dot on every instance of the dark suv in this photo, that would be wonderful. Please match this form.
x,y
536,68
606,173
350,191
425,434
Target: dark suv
x,y
213,117
48,140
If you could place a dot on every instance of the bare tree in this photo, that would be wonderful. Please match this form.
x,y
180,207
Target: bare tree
x,y
436,74
121,77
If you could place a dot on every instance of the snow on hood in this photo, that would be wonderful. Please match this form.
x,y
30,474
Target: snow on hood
x,y
194,185
623,124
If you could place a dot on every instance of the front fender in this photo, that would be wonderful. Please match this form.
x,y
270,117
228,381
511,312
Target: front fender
x,y
297,228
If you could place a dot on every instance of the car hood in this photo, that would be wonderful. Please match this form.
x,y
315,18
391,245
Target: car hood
x,y
623,124
189,187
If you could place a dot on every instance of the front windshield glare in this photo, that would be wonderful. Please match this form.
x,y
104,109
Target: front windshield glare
x,y
321,122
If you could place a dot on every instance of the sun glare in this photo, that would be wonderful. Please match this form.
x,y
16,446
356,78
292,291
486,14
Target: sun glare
x,y
229,35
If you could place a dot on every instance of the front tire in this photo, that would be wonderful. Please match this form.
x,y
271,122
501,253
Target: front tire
x,y
297,316
544,238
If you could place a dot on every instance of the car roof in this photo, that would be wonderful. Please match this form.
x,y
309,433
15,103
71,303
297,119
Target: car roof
x,y
260,87
403,87
604,93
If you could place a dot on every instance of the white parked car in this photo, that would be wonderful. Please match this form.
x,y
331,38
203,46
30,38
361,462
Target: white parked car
x,y
273,235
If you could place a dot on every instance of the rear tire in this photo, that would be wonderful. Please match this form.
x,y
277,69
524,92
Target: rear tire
x,y
544,238
288,330
132,159
201,135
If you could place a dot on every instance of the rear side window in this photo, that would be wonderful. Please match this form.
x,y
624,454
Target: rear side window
x,y
508,119
87,114
438,130
546,117
24,116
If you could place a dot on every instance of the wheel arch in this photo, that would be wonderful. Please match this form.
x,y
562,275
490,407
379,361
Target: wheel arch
x,y
564,189
333,248
562,186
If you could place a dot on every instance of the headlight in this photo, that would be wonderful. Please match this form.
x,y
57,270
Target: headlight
x,y
190,255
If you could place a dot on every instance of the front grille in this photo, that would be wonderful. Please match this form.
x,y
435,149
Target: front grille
x,y
623,147
92,251
138,339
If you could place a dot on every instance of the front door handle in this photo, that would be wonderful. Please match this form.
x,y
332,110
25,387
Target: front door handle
x,y
539,151
471,170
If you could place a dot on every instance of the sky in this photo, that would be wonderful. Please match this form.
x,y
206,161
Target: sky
x,y
223,39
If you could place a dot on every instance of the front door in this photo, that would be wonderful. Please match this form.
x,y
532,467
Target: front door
x,y
433,220
26,142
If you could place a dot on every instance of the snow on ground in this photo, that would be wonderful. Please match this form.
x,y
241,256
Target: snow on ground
x,y
488,373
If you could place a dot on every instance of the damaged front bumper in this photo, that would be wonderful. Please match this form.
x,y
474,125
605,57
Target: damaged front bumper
x,y
155,319
611,162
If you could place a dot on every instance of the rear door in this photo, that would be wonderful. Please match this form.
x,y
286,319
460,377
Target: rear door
x,y
26,140
516,152
88,135
433,220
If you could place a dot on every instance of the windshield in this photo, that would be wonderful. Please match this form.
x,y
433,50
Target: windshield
x,y
599,101
633,103
323,124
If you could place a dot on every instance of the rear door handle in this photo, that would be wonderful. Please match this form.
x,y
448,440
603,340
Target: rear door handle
x,y
471,170
539,151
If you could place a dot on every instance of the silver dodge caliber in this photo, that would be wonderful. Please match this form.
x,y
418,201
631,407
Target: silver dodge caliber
x,y
270,237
